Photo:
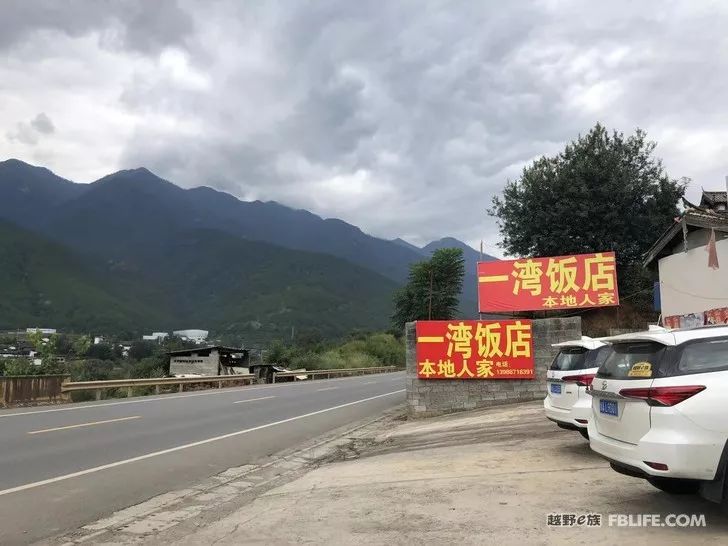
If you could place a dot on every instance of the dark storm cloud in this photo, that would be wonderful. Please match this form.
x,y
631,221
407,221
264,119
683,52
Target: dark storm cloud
x,y
402,117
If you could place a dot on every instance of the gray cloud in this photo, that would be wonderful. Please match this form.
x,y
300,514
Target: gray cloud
x,y
134,24
402,117
43,124
29,133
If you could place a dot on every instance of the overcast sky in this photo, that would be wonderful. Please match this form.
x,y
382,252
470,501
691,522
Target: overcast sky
x,y
402,117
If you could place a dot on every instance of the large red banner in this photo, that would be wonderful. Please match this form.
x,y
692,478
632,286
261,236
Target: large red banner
x,y
475,349
562,282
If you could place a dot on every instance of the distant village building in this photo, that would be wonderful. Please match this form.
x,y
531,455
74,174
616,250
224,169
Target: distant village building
x,y
156,336
46,331
692,261
198,336
213,360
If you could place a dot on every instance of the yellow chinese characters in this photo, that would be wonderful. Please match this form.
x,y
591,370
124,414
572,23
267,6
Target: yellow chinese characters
x,y
427,369
446,368
562,275
518,340
605,298
528,277
489,339
484,368
465,370
459,336
599,273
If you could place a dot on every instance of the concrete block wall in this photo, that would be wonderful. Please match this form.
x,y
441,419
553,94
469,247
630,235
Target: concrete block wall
x,y
195,364
428,397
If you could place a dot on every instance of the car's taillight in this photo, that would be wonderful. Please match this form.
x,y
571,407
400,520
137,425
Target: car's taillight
x,y
663,396
583,379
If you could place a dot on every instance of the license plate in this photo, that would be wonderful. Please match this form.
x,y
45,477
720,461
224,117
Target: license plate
x,y
609,407
556,388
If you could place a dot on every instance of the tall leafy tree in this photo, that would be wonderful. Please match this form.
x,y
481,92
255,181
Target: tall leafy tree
x,y
432,290
605,191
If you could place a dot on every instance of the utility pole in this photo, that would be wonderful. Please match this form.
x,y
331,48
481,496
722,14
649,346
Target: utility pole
x,y
431,280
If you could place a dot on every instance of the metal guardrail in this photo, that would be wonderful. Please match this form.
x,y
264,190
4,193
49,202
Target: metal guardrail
x,y
338,372
157,382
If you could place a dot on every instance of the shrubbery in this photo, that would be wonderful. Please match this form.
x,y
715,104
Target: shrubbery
x,y
363,351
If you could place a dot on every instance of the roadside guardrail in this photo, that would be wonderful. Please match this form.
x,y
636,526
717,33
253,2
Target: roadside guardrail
x,y
157,382
337,372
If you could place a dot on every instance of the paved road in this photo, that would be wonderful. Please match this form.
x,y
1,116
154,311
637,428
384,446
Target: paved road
x,y
64,466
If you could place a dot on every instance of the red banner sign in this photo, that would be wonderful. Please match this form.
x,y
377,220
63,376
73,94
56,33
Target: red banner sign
x,y
475,349
563,282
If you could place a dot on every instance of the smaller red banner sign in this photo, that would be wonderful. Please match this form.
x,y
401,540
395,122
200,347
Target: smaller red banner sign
x,y
475,349
561,282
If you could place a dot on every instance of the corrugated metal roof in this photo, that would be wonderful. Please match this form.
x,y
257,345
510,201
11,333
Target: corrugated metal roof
x,y
220,348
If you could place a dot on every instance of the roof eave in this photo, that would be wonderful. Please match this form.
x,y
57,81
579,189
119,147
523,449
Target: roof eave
x,y
662,241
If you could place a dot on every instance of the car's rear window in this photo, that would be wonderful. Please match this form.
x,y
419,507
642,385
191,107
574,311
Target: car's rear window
x,y
632,360
704,356
570,358
596,357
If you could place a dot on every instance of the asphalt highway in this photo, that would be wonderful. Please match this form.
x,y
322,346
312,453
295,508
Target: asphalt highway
x,y
64,466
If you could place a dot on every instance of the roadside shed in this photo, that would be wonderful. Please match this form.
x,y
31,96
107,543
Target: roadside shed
x,y
211,360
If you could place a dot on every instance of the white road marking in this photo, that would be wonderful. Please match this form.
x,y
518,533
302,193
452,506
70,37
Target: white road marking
x,y
254,399
327,389
187,446
173,396
85,424
369,383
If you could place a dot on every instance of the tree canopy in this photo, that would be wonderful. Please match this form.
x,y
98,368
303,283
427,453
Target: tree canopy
x,y
605,191
432,290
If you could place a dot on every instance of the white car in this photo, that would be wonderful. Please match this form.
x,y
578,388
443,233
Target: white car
x,y
571,372
661,411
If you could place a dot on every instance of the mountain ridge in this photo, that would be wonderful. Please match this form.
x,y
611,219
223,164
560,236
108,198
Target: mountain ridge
x,y
112,215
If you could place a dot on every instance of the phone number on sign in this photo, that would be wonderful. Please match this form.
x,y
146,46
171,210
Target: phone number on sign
x,y
514,372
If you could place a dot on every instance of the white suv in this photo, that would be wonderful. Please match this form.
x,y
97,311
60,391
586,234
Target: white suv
x,y
661,411
572,370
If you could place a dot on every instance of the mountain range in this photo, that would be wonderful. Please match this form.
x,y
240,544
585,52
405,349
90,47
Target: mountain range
x,y
133,251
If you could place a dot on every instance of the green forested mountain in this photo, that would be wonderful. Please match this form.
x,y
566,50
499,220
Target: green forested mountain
x,y
42,283
135,252
199,278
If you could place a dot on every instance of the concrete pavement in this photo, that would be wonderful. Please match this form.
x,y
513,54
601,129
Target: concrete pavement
x,y
484,477
64,466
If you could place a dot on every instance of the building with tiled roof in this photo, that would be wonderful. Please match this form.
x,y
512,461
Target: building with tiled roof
x,y
692,260
714,200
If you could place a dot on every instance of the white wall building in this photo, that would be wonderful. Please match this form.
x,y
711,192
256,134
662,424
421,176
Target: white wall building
x,y
46,331
692,291
156,336
198,336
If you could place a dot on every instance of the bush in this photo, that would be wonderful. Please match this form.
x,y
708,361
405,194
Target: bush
x,y
20,366
387,349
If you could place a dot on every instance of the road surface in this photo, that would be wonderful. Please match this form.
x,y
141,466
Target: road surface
x,y
64,466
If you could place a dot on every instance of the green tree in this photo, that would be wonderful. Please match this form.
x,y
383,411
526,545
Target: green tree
x,y
142,349
432,290
100,351
81,345
604,192
47,350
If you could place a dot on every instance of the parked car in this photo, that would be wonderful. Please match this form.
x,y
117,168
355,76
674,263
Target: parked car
x,y
571,372
659,403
